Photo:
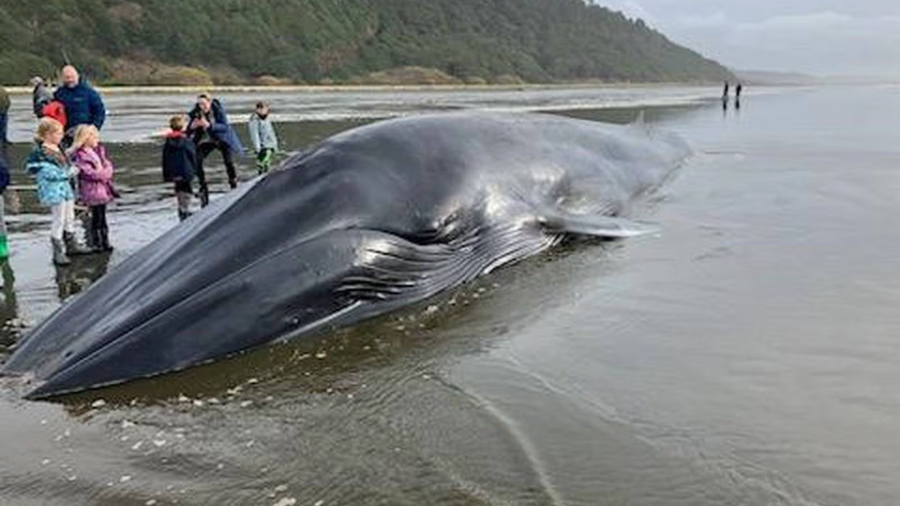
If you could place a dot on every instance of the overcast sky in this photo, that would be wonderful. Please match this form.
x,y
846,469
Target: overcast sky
x,y
823,37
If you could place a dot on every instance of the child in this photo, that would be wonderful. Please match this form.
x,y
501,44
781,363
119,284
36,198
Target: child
x,y
262,134
179,162
49,165
95,186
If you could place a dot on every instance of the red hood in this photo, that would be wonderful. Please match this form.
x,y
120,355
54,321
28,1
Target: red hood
x,y
175,134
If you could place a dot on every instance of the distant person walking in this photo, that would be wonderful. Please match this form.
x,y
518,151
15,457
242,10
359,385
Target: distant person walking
x,y
725,97
263,137
83,105
4,169
211,131
737,91
179,164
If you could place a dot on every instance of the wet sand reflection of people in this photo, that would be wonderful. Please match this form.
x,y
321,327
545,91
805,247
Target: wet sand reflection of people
x,y
80,274
10,326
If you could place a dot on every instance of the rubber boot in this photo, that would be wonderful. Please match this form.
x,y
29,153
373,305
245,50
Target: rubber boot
x,y
59,252
232,183
73,247
204,196
95,243
183,215
104,241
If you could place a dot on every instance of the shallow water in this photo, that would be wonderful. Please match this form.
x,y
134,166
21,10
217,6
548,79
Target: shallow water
x,y
743,356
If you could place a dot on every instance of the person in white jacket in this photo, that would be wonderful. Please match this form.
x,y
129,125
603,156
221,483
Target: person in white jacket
x,y
263,137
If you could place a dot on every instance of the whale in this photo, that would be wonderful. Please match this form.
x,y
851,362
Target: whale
x,y
361,224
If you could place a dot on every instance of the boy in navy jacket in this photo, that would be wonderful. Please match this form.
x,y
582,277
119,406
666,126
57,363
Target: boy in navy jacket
x,y
179,162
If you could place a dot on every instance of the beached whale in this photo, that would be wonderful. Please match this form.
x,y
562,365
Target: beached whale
x,y
367,221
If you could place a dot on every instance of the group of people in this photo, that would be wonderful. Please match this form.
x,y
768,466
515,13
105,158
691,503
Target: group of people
x,y
70,163
738,89
207,130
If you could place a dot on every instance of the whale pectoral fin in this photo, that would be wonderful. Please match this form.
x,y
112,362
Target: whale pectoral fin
x,y
394,270
595,225
391,268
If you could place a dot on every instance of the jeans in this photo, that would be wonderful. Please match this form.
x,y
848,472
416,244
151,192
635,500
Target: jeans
x,y
203,150
98,218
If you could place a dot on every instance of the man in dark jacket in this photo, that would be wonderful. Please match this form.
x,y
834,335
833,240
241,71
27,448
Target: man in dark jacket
x,y
211,131
4,141
4,121
82,102
4,168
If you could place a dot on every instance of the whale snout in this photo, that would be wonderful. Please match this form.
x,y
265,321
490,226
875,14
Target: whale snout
x,y
284,291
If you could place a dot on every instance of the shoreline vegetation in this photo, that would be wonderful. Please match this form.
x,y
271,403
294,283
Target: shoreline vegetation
x,y
405,79
356,42
318,88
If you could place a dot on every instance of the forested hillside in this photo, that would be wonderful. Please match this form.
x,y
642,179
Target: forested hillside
x,y
315,41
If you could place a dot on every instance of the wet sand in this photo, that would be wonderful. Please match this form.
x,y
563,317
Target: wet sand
x,y
744,356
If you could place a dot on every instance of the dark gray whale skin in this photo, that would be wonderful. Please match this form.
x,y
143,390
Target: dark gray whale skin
x,y
365,222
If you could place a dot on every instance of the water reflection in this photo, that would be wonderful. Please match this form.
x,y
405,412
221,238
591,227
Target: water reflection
x,y
10,325
77,277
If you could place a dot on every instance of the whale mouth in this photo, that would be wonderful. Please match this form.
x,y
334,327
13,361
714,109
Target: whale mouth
x,y
290,297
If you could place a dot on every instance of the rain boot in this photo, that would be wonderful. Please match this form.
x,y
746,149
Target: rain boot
x,y
94,241
73,247
104,240
59,252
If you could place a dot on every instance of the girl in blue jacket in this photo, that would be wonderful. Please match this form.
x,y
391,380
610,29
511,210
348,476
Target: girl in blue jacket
x,y
50,167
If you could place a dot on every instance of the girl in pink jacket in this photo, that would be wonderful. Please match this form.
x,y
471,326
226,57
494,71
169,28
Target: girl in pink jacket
x,y
95,182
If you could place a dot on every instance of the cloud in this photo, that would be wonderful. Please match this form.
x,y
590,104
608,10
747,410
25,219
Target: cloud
x,y
717,19
816,36
825,42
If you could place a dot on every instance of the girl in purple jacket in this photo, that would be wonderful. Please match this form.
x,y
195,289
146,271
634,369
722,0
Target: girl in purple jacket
x,y
95,181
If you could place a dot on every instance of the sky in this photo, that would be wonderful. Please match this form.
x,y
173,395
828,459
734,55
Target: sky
x,y
821,37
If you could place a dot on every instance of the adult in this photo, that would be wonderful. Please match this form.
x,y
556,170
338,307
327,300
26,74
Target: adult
x,y
82,103
41,95
4,121
4,168
211,131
